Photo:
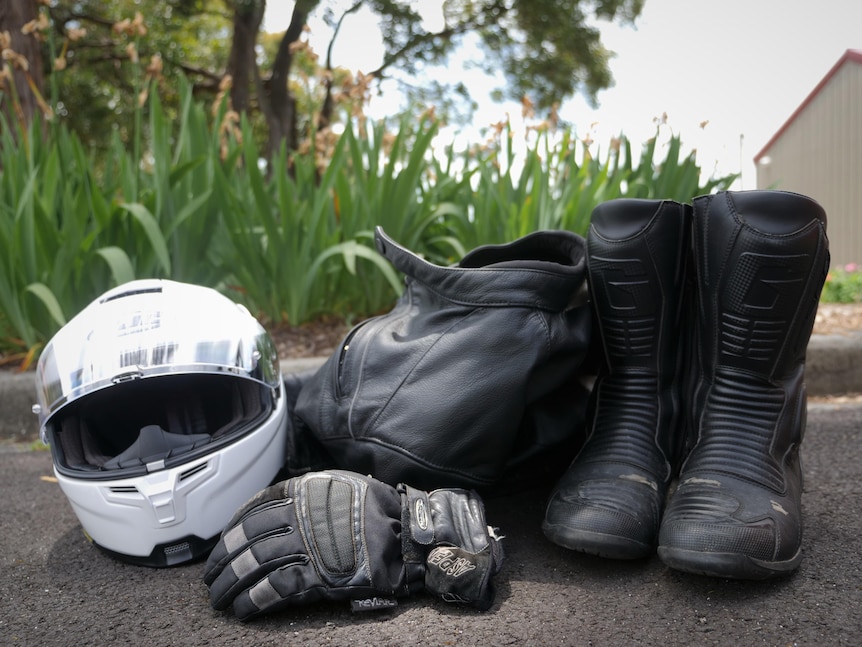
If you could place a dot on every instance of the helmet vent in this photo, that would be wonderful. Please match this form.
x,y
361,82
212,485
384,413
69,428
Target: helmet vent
x,y
124,489
177,548
191,472
129,293
178,553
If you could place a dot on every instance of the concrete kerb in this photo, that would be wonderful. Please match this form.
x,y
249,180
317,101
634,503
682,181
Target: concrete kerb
x,y
833,364
833,367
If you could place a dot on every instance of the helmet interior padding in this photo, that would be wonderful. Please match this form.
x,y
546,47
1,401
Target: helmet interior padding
x,y
142,422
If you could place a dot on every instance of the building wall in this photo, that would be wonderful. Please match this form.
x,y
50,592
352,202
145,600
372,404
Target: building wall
x,y
819,154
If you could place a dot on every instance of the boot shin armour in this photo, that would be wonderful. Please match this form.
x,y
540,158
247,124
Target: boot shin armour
x,y
610,500
761,258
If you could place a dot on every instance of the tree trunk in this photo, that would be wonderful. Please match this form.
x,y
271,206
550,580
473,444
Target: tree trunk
x,y
19,103
242,62
274,98
281,113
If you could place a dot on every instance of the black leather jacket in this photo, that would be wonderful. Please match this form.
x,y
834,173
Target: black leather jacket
x,y
476,372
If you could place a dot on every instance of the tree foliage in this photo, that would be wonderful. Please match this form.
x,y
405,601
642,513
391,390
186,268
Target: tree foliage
x,y
546,50
100,83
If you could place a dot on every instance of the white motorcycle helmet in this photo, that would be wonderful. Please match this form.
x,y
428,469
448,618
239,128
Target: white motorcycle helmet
x,y
165,411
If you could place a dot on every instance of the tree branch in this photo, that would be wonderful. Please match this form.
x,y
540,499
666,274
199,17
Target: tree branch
x,y
325,117
391,59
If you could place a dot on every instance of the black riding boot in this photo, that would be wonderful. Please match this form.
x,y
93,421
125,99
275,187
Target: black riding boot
x,y
610,500
761,258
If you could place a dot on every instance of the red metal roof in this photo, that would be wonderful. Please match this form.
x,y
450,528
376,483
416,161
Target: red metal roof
x,y
851,55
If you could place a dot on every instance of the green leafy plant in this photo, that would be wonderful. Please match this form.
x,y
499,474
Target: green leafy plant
x,y
559,182
843,285
71,226
291,237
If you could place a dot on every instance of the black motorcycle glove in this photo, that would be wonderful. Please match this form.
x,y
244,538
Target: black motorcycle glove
x,y
336,535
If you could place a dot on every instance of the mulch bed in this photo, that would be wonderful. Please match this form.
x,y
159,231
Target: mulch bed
x,y
321,338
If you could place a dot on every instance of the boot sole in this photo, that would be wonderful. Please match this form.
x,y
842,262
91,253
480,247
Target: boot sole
x,y
726,565
594,543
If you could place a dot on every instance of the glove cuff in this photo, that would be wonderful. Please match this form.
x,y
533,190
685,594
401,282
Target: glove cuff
x,y
447,545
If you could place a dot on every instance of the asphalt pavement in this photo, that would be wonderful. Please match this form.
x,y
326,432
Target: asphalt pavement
x,y
57,589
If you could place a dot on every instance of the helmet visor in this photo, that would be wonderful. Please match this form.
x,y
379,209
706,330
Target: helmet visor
x,y
152,328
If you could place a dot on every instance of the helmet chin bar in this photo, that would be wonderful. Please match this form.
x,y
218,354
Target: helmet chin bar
x,y
150,517
186,550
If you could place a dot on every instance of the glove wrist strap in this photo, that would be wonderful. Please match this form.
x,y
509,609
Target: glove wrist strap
x,y
414,552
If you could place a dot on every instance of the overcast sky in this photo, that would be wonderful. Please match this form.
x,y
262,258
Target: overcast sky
x,y
743,66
